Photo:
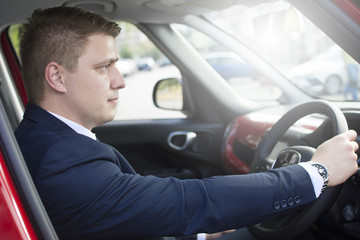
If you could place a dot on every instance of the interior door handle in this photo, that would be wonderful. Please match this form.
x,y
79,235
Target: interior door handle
x,y
181,140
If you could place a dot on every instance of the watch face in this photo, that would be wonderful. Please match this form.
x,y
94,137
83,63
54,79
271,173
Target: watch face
x,y
286,158
322,170
323,173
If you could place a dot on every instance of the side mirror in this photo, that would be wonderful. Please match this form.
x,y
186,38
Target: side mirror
x,y
168,94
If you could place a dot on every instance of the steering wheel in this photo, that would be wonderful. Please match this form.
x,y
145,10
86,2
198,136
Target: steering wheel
x,y
291,224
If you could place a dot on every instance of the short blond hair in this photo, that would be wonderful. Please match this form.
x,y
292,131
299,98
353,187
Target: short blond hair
x,y
57,34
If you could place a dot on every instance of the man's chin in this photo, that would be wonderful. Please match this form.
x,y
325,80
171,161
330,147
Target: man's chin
x,y
110,118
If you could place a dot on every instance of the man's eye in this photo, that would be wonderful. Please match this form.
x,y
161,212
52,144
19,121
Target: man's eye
x,y
104,67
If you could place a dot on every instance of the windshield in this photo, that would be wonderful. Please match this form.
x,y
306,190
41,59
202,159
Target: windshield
x,y
295,47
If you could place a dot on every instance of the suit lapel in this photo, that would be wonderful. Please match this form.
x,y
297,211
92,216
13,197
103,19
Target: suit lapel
x,y
39,115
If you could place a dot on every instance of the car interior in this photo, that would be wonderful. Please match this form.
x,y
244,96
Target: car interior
x,y
180,117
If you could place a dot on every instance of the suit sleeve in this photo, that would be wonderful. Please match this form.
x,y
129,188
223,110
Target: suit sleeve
x,y
94,198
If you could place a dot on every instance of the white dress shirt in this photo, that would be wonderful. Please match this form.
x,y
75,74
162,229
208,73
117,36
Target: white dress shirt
x,y
76,127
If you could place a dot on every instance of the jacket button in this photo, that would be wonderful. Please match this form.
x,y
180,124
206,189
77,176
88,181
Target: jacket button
x,y
297,199
283,204
290,202
276,205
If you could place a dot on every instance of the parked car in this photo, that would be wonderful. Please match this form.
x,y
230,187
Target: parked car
x,y
163,62
145,64
217,130
229,65
325,73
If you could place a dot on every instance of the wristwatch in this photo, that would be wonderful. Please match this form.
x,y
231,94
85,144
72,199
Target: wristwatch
x,y
323,173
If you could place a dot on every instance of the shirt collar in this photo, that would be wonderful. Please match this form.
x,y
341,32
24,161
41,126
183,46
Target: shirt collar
x,y
76,127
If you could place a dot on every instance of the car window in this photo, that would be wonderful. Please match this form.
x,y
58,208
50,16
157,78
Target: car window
x,y
240,75
142,65
295,46
14,37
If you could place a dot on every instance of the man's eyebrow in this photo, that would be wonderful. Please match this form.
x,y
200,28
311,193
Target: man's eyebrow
x,y
108,61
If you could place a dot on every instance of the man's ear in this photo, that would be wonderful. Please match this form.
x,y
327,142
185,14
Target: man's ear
x,y
54,77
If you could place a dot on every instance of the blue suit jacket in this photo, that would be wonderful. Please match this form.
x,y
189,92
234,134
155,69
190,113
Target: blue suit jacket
x,y
90,191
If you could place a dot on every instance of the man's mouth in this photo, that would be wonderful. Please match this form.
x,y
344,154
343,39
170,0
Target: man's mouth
x,y
113,100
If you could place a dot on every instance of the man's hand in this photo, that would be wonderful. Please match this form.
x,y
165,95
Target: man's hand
x,y
338,156
214,236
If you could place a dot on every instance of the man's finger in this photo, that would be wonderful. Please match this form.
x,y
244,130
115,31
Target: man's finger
x,y
351,135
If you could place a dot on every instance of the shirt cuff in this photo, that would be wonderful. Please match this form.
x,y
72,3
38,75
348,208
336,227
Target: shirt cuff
x,y
201,236
315,177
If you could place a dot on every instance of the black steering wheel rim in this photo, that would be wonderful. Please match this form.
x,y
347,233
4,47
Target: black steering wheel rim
x,y
301,219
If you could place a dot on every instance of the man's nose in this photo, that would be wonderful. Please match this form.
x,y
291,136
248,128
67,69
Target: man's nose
x,y
117,80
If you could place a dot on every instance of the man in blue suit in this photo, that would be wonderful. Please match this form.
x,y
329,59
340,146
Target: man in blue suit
x,y
89,190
